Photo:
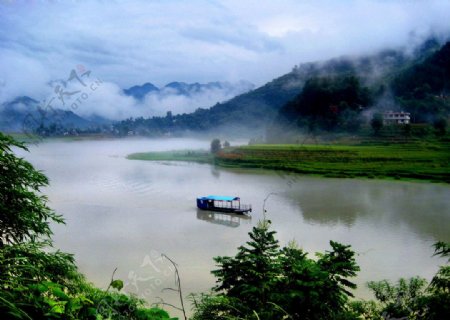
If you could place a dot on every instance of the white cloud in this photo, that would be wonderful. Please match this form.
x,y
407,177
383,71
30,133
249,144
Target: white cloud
x,y
88,95
132,42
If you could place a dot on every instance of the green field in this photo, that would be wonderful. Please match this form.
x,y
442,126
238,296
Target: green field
x,y
428,161
398,161
200,156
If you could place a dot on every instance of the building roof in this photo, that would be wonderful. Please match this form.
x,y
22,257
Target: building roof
x,y
219,198
396,112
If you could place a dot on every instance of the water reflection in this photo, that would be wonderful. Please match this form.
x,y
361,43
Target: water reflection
x,y
225,219
422,207
215,171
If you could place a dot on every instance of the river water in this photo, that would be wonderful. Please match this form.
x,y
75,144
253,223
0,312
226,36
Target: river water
x,y
125,213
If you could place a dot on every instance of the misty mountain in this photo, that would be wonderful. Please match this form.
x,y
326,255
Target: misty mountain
x,y
26,114
188,89
415,81
423,89
338,102
139,92
258,108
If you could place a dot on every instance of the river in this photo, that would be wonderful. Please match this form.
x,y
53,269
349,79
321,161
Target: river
x,y
124,214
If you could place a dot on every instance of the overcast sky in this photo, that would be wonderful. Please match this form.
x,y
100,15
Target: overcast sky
x,y
132,42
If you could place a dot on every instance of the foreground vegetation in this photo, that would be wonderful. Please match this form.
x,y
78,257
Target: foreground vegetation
x,y
265,281
37,282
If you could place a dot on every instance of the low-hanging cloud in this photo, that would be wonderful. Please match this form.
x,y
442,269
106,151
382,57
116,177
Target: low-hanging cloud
x,y
133,42
91,96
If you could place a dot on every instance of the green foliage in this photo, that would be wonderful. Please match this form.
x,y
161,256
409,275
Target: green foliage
x,y
441,281
117,284
217,307
327,103
412,298
423,88
400,300
377,123
153,314
24,214
367,310
215,146
35,282
440,126
264,281
250,275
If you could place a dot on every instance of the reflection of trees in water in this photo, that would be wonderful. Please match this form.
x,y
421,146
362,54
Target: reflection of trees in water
x,y
328,202
215,171
425,208
225,219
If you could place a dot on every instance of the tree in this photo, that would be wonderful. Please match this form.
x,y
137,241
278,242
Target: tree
x,y
399,300
350,120
410,298
36,283
251,274
24,214
377,123
322,103
226,144
215,146
440,126
265,281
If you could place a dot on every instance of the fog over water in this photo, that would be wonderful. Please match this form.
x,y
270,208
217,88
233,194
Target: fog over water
x,y
124,213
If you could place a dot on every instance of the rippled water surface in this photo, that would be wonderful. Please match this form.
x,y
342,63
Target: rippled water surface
x,y
125,213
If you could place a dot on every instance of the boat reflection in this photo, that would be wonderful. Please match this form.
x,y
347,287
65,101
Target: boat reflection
x,y
226,219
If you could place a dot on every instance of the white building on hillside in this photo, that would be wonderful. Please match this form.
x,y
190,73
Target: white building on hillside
x,y
393,117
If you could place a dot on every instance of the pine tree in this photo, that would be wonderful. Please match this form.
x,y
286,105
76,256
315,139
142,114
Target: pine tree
x,y
251,274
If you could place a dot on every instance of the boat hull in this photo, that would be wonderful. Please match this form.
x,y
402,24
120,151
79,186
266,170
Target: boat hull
x,y
228,210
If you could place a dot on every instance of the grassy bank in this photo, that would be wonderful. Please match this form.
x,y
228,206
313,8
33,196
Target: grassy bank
x,y
428,161
199,156
422,161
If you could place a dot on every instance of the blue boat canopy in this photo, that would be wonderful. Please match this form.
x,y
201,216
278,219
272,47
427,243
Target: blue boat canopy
x,y
219,198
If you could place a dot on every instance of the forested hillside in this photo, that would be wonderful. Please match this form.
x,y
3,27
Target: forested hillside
x,y
370,78
348,100
424,88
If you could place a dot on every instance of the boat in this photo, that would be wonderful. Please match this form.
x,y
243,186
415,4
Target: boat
x,y
223,204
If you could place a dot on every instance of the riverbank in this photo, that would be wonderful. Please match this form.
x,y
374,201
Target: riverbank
x,y
410,161
199,156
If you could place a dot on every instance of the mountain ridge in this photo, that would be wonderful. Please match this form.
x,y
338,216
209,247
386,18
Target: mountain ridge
x,y
257,108
187,89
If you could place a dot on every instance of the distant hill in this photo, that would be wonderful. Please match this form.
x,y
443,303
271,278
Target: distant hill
x,y
139,92
24,113
188,89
